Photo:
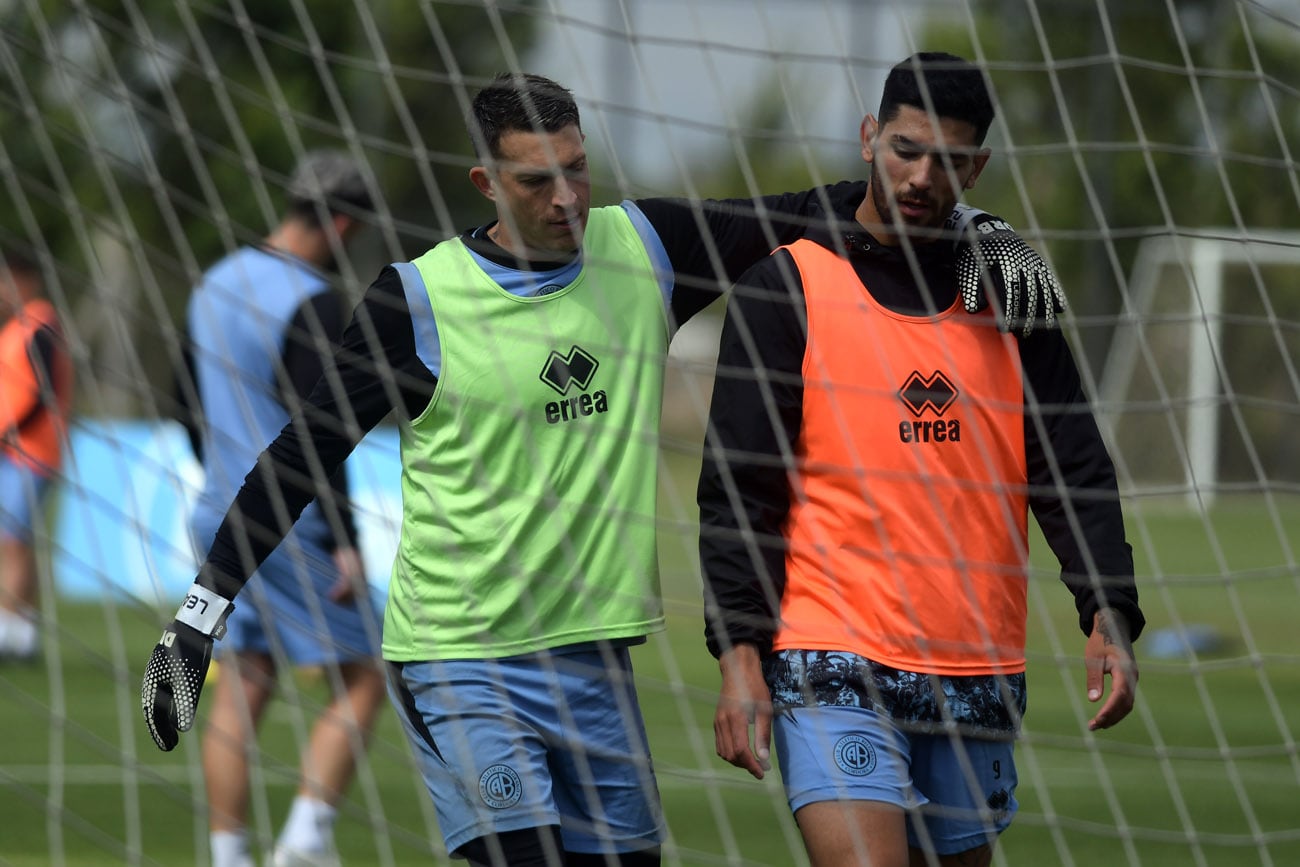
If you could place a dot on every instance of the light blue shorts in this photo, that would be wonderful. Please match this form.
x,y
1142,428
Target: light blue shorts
x,y
284,610
22,500
529,741
961,790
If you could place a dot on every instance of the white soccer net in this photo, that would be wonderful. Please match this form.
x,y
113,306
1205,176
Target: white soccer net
x,y
1149,149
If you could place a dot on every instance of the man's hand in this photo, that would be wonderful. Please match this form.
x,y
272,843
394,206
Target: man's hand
x,y
351,583
1109,651
744,700
173,679
995,266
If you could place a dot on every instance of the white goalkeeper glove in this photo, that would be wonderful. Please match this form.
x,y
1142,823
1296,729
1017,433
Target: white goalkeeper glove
x,y
174,677
995,266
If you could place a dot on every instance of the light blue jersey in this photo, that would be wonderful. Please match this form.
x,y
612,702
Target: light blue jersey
x,y
237,317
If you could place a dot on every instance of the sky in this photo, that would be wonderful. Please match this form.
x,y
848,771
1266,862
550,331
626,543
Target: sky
x,y
662,79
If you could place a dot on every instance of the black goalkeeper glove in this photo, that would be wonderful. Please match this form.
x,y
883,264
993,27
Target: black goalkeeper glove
x,y
174,677
996,266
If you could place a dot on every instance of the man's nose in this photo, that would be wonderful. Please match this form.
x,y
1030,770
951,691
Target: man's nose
x,y
565,196
923,174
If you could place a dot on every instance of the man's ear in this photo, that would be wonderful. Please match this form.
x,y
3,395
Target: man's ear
x,y
344,225
482,181
981,159
867,133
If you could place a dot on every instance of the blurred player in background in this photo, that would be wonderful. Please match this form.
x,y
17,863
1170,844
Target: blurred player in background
x,y
262,326
526,359
873,453
35,394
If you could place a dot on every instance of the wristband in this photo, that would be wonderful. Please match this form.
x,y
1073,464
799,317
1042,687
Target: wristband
x,y
204,611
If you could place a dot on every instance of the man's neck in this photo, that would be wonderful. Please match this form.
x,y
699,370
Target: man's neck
x,y
879,227
301,242
522,258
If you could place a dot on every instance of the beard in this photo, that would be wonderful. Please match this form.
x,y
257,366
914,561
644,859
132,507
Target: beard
x,y
924,229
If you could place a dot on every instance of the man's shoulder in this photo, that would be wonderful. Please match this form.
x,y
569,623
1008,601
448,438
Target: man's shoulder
x,y
256,267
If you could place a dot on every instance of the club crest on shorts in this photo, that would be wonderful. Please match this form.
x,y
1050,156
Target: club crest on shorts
x,y
854,755
500,787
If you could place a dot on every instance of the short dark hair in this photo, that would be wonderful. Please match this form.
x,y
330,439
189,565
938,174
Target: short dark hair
x,y
17,261
519,102
950,85
331,179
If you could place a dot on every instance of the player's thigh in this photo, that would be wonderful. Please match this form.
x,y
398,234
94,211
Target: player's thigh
x,y
604,778
970,787
854,833
846,776
483,761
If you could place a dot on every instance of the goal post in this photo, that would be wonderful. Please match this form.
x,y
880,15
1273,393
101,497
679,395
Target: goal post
x,y
1171,336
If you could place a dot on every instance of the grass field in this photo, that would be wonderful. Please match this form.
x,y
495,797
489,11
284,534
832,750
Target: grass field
x,y
1205,772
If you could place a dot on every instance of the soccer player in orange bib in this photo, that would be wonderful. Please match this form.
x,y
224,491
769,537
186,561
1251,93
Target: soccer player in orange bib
x,y
35,391
874,452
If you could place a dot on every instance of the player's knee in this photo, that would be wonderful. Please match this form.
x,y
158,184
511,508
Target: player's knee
x,y
526,847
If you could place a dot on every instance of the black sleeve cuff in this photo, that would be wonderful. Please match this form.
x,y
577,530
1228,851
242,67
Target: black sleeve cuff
x,y
1106,592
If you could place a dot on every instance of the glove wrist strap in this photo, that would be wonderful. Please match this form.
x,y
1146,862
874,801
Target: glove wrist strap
x,y
205,611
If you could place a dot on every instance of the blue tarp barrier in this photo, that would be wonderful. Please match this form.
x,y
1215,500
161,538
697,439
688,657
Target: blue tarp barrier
x,y
123,508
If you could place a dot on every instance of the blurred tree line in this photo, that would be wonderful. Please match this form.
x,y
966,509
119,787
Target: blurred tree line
x,y
142,139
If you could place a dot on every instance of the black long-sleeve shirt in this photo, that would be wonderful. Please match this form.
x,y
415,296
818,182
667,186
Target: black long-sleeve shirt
x,y
756,415
376,369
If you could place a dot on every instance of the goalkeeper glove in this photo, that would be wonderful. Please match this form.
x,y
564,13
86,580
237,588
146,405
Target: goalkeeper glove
x,y
996,266
174,677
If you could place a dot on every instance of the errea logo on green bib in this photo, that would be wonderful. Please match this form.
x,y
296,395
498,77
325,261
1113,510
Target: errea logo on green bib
x,y
565,372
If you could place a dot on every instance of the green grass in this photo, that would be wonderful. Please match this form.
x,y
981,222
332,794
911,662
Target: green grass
x,y
1205,771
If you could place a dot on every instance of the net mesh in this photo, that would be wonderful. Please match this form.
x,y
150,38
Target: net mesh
x,y
1147,149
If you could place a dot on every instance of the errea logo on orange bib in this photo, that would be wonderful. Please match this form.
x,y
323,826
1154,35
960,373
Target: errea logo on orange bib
x,y
932,394
562,373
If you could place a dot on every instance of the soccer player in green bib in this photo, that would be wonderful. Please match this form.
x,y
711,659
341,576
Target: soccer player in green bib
x,y
525,360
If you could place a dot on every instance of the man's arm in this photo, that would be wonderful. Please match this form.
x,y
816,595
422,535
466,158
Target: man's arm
x,y
376,368
311,340
743,701
744,496
711,242
1073,491
1110,652
188,408
754,424
1075,499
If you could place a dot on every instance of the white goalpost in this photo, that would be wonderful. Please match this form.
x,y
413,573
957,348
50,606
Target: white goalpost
x,y
1148,150
1202,303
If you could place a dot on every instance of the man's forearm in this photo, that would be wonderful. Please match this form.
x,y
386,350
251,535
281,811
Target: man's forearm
x,y
1114,628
